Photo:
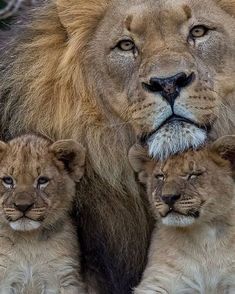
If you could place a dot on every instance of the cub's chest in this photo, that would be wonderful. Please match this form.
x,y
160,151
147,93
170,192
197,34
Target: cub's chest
x,y
209,269
27,267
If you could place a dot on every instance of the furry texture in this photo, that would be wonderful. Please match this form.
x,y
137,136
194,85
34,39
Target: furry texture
x,y
12,7
38,245
70,88
194,228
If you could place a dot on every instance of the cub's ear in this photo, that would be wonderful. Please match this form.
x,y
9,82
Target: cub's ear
x,y
138,158
3,148
227,5
72,155
225,147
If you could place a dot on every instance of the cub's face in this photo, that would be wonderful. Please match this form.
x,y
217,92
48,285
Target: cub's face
x,y
37,183
193,187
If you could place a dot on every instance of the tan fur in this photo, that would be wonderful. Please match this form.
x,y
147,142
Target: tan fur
x,y
38,248
71,87
192,249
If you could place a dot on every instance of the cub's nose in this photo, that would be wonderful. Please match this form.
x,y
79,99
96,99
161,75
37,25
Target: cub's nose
x,y
170,87
170,199
23,207
23,201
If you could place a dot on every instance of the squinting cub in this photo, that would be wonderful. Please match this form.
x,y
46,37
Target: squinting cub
x,y
38,246
193,194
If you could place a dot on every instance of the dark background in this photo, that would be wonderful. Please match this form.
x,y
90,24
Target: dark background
x,y
4,23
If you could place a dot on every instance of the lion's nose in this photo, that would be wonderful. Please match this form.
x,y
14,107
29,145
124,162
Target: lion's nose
x,y
23,207
23,201
170,87
170,199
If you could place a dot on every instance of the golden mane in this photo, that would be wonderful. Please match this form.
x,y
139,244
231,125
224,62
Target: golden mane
x,y
44,88
45,91
52,93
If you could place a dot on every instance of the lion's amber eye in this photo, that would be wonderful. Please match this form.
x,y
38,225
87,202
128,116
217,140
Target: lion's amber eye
x,y
198,31
126,45
160,177
8,181
194,175
42,181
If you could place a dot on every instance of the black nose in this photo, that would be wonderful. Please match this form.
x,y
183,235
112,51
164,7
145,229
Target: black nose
x,y
170,87
170,199
23,207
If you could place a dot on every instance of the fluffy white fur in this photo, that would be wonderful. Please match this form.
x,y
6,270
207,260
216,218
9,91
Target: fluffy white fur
x,y
25,225
177,220
175,137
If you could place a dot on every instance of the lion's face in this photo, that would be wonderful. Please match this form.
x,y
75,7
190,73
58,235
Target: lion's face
x,y
196,186
166,67
189,188
37,181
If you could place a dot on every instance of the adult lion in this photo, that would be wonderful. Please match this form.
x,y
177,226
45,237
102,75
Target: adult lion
x,y
106,70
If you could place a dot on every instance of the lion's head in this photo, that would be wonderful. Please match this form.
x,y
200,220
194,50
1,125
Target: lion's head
x,y
162,68
38,181
195,186
102,71
165,67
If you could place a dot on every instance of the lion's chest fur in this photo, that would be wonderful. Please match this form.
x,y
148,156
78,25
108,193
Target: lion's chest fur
x,y
208,270
32,266
181,265
28,269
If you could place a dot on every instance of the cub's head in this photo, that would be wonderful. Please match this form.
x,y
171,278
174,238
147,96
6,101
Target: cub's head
x,y
166,67
37,181
196,186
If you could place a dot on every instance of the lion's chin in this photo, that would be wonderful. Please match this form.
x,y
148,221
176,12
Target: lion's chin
x,y
175,137
25,225
178,220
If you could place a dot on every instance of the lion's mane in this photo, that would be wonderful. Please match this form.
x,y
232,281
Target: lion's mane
x,y
44,88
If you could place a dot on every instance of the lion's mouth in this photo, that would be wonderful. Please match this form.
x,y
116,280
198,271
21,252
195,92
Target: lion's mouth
x,y
170,120
176,118
193,213
25,218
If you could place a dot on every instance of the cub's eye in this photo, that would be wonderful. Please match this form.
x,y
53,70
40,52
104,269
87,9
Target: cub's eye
x,y
8,181
126,45
198,31
160,177
42,181
194,175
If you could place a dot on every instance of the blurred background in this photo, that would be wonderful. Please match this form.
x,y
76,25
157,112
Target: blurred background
x,y
11,8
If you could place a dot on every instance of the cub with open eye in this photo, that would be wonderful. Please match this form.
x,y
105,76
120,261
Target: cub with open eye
x,y
193,197
38,246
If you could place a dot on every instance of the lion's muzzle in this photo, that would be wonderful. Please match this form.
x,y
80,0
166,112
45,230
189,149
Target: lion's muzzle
x,y
169,87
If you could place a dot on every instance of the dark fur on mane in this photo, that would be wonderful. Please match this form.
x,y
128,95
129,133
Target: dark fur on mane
x,y
39,93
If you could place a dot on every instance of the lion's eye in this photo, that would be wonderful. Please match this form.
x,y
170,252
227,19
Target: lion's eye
x,y
126,45
198,31
160,177
8,181
194,175
42,181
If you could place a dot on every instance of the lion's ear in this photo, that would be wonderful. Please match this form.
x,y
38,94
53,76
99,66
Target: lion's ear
x,y
81,15
227,5
72,155
138,158
225,147
3,148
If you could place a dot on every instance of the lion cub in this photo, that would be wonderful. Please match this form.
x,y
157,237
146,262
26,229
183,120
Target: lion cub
x,y
193,194
38,246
